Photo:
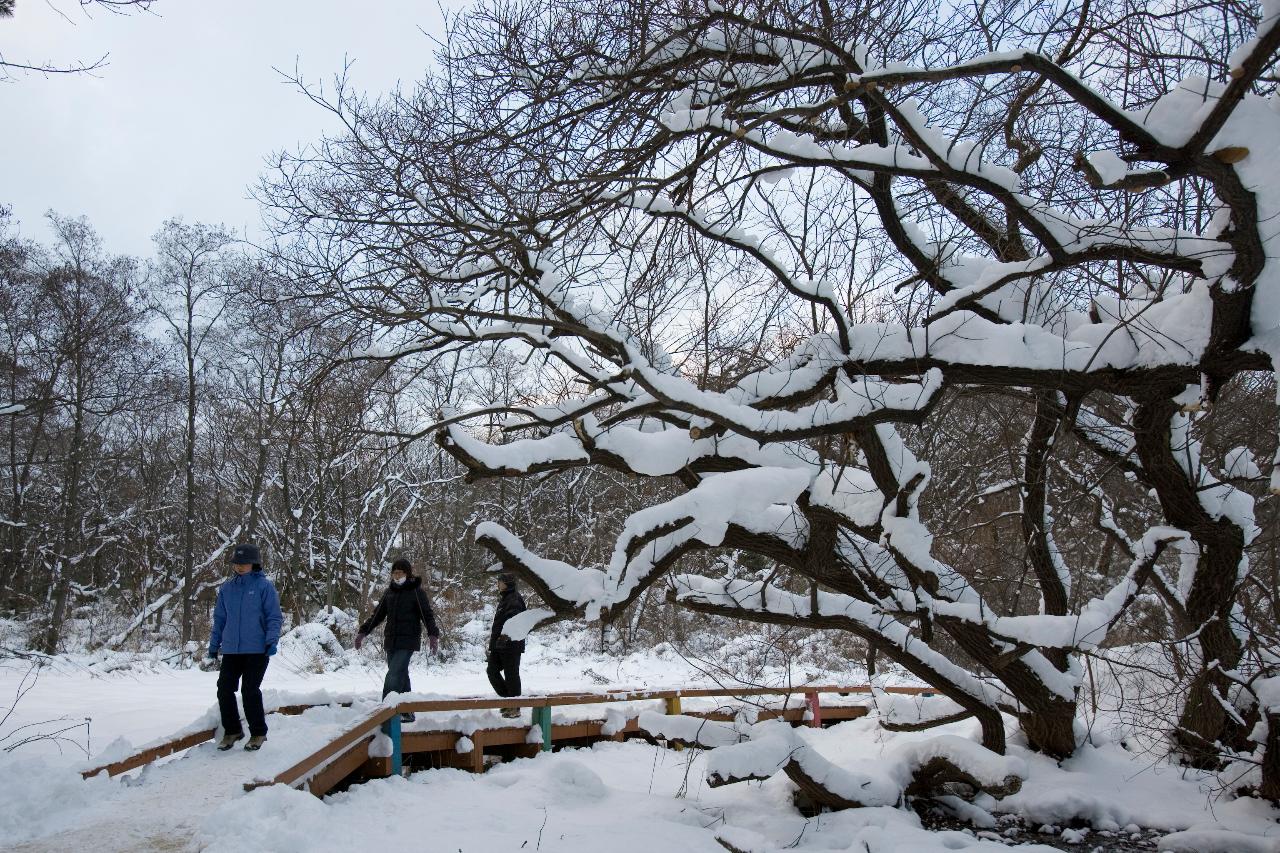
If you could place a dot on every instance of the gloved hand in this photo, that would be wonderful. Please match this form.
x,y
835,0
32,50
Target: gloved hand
x,y
434,642
210,663
271,650
359,641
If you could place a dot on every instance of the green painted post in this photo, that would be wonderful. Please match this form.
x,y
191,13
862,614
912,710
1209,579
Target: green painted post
x,y
542,719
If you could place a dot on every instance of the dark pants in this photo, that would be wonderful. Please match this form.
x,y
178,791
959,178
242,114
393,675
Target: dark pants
x,y
397,680
504,672
246,671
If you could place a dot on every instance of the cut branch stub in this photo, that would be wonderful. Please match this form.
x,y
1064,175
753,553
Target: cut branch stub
x,y
1230,154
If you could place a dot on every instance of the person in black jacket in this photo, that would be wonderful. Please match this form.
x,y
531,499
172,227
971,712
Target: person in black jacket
x,y
406,609
504,652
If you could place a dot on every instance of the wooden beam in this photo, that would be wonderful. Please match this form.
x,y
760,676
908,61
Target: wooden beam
x,y
376,767
558,699
504,736
154,753
299,771
428,741
840,713
295,710
573,731
147,756
340,768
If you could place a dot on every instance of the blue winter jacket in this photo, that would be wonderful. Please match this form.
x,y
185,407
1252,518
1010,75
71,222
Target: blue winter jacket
x,y
246,619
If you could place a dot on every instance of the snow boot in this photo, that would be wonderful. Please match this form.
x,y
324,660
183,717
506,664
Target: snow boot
x,y
255,743
228,740
407,718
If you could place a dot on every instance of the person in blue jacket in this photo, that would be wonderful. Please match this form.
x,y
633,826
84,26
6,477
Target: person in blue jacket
x,y
246,628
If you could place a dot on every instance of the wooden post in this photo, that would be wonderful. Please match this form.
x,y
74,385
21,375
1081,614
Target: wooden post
x,y
815,709
542,719
673,707
391,728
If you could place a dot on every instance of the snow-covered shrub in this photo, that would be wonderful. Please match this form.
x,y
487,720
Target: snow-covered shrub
x,y
312,647
341,622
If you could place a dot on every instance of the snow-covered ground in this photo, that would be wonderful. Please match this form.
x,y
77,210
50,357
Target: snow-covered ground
x,y
621,797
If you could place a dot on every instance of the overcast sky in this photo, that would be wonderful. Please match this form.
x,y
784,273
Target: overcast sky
x,y
180,120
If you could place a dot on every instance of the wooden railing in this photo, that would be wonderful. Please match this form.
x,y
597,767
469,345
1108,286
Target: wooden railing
x,y
154,753
348,752
346,749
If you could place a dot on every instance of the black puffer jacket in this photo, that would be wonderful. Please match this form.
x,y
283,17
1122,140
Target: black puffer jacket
x,y
406,610
510,604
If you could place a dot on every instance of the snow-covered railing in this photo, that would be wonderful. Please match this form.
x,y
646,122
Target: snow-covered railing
x,y
324,767
193,735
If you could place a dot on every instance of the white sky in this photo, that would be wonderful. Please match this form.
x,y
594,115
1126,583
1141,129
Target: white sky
x,y
180,120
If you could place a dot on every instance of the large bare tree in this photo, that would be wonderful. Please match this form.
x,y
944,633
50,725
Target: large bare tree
x,y
754,249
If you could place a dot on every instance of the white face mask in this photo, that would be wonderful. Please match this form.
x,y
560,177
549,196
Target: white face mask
x,y
399,581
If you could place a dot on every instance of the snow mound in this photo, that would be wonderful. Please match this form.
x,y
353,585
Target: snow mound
x,y
742,839
576,781
289,818
1099,786
904,710
1216,841
50,797
117,750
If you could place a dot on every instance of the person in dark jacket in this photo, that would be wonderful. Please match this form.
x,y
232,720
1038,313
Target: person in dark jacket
x,y
406,609
504,652
246,628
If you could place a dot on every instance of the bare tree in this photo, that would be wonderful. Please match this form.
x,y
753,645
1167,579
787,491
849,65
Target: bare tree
x,y
875,208
189,287
93,313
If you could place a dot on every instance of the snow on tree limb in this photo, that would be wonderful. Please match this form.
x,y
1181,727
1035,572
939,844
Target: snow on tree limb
x,y
914,768
760,256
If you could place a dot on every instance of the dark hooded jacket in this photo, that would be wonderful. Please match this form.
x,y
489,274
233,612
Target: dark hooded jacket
x,y
509,605
406,609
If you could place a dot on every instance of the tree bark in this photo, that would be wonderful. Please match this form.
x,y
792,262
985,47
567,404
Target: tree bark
x,y
1204,725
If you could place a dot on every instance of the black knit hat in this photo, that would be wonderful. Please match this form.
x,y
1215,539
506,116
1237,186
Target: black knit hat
x,y
402,565
245,554
508,578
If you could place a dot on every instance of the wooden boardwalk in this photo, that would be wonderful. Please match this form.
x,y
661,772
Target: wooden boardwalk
x,y
346,758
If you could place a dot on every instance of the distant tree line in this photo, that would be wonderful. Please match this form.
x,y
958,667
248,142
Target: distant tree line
x,y
157,410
